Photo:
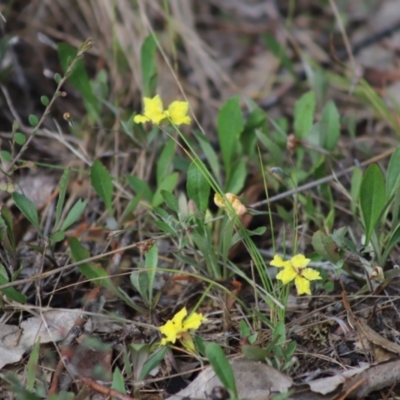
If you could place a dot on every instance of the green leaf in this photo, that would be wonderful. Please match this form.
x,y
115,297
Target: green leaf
x,y
210,153
44,100
164,227
279,52
393,240
198,188
28,209
152,362
79,79
10,292
237,178
230,127
33,366
372,198
102,184
88,270
74,214
33,120
148,64
330,126
221,367
61,196
304,115
356,180
57,237
164,163
118,382
170,200
6,155
151,262
57,77
9,222
19,138
325,246
140,187
168,184
140,281
393,173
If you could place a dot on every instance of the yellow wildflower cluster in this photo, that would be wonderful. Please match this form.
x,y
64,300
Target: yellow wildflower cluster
x,y
295,269
235,202
154,112
178,327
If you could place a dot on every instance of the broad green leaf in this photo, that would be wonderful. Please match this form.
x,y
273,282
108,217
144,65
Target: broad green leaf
x,y
140,281
64,181
9,222
28,209
356,180
230,126
33,120
6,155
279,52
304,115
44,100
221,367
88,270
168,184
10,292
393,173
140,187
33,366
210,154
237,178
151,262
152,362
102,184
57,237
74,214
393,240
79,78
118,382
325,246
330,126
170,200
198,188
148,64
164,163
19,138
372,198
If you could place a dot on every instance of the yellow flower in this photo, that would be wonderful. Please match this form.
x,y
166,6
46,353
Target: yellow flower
x,y
296,269
154,112
177,113
178,327
235,202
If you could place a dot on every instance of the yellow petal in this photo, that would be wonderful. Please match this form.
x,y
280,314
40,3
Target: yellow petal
x,y
287,275
140,119
178,318
310,274
299,261
193,321
170,331
302,285
278,262
237,205
219,200
153,109
177,112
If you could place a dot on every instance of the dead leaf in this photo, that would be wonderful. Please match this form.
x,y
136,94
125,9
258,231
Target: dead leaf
x,y
51,326
254,381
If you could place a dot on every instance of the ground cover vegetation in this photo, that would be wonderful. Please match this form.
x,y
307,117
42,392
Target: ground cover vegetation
x,y
199,199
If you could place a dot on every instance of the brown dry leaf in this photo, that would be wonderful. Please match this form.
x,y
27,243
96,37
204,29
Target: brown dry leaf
x,y
51,326
254,381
